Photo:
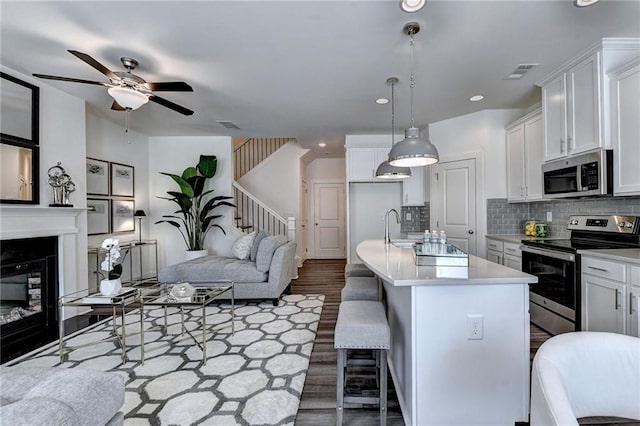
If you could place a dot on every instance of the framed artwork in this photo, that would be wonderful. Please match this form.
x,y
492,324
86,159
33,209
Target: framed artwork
x,y
98,216
97,177
121,180
122,216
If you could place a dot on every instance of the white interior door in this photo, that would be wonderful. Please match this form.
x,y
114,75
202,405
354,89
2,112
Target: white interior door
x,y
454,202
329,224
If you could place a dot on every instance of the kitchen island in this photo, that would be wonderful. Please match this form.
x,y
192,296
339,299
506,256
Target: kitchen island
x,y
459,337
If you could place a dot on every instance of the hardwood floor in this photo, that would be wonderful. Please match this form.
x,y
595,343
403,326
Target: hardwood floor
x,y
318,403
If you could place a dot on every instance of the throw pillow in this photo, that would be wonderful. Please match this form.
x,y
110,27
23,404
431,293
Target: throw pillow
x,y
256,244
267,247
242,247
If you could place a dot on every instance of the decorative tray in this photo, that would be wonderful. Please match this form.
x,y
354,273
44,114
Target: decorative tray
x,y
436,254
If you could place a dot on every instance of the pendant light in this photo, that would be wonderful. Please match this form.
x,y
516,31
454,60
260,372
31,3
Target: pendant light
x,y
413,150
386,170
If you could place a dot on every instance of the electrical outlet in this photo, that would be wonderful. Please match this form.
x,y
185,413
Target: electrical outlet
x,y
407,216
549,216
475,327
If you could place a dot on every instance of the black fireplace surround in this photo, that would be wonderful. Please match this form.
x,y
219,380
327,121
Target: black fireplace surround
x,y
28,295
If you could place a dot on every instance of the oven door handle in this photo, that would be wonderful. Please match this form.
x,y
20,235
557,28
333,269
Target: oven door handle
x,y
555,254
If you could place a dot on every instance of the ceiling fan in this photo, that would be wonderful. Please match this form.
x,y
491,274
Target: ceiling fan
x,y
128,90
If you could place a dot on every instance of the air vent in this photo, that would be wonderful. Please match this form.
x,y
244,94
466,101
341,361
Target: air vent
x,y
520,71
228,124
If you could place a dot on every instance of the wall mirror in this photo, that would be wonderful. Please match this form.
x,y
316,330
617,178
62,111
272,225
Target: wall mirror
x,y
19,139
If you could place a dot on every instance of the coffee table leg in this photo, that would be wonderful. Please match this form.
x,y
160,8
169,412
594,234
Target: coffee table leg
x,y
124,332
165,320
61,326
204,334
182,320
233,309
141,333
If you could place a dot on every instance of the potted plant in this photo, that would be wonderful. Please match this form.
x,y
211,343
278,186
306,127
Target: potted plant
x,y
194,216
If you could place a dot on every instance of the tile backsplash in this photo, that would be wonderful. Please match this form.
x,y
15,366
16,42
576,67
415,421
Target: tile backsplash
x,y
419,218
509,218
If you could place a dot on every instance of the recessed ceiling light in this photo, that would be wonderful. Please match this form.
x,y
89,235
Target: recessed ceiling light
x,y
322,144
584,3
412,5
382,101
476,98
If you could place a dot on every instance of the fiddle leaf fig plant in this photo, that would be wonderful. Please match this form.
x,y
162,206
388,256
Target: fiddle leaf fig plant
x,y
194,217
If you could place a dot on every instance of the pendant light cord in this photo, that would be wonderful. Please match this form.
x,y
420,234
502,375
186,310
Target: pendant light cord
x,y
393,129
412,81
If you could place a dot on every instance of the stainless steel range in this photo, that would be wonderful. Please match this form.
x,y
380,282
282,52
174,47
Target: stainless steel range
x,y
555,299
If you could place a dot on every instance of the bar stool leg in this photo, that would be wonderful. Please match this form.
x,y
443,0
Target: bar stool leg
x,y
383,387
341,365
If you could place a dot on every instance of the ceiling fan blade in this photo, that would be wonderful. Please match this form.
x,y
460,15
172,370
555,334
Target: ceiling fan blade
x,y
117,107
72,80
172,86
97,65
170,105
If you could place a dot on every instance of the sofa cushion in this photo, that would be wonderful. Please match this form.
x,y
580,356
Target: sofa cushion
x,y
39,411
256,243
266,249
242,247
211,268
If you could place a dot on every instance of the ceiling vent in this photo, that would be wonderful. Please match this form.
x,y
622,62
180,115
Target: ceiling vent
x,y
520,71
228,124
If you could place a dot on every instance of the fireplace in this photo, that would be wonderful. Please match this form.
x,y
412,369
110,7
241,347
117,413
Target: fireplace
x,y
28,294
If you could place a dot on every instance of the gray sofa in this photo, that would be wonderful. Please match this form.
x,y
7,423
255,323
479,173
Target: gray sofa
x,y
265,278
60,396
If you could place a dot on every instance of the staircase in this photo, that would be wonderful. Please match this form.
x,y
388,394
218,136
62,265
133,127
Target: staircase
x,y
251,213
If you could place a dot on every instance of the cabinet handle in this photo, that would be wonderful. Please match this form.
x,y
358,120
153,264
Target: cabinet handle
x,y
526,191
521,193
630,303
617,304
598,269
561,146
571,145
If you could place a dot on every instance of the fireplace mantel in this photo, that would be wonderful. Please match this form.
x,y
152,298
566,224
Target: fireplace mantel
x,y
37,221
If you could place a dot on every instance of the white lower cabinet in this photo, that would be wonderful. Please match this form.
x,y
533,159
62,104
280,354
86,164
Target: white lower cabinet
x,y
610,296
505,253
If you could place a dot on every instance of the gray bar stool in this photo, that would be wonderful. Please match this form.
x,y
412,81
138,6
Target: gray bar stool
x,y
356,270
362,324
360,288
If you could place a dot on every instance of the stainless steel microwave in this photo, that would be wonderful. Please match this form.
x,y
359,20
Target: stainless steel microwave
x,y
583,175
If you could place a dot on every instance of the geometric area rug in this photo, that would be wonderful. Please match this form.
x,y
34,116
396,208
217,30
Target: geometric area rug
x,y
254,377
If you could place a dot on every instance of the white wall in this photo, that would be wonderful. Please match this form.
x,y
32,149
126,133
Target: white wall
x,y
276,180
326,168
173,155
62,138
481,131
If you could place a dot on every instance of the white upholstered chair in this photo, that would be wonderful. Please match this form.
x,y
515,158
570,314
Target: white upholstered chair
x,y
585,374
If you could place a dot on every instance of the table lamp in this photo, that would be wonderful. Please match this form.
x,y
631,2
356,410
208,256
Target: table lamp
x,y
139,214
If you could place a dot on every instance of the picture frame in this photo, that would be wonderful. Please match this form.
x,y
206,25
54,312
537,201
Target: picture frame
x,y
97,177
98,216
122,219
122,180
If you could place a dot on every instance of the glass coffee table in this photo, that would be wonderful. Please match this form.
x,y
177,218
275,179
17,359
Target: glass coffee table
x,y
169,295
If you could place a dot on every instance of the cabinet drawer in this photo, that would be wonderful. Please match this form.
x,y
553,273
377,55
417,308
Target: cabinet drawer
x,y
604,268
634,275
513,249
495,245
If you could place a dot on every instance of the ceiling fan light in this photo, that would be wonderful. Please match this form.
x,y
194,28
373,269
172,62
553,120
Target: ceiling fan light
x,y
413,150
584,3
411,6
387,171
128,98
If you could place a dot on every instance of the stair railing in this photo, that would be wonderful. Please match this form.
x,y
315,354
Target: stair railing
x,y
252,152
253,214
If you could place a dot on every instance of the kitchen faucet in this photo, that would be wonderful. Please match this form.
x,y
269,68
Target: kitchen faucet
x,y
387,239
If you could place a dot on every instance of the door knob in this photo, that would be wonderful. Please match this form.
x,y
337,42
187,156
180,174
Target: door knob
x,y
470,231
316,223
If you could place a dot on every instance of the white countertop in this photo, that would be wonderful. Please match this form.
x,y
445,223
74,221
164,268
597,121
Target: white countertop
x,y
398,266
631,256
517,238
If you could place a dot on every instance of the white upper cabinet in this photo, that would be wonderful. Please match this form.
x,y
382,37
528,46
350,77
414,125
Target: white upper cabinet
x,y
362,163
572,110
625,128
576,99
524,158
413,188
